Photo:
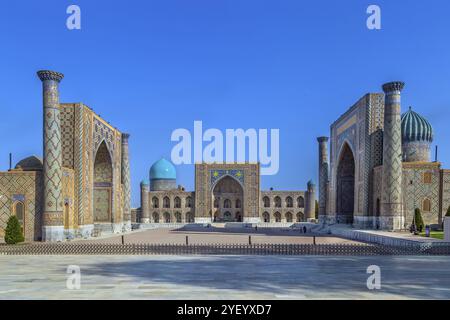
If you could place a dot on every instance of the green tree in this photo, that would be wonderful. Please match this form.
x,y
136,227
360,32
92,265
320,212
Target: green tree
x,y
448,212
13,231
418,220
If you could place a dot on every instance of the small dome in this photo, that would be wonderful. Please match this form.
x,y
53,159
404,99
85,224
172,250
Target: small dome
x,y
32,163
163,170
415,127
311,184
145,182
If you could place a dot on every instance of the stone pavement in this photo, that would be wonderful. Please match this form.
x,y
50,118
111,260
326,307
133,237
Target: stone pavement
x,y
224,277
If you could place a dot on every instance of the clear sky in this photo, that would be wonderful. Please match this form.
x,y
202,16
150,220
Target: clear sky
x,y
150,67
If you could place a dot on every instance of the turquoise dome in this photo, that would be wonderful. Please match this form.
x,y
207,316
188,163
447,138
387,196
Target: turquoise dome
x,y
145,182
163,170
415,127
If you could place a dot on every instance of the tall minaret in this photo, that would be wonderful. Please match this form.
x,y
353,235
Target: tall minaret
x,y
145,205
52,219
323,177
391,196
310,206
125,173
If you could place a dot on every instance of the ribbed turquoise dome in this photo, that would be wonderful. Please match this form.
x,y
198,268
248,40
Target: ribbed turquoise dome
x,y
415,127
163,169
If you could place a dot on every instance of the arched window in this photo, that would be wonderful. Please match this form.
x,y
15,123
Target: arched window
x,y
266,217
166,217
189,217
427,177
166,202
277,217
266,202
178,217
300,202
155,202
277,202
289,202
155,217
426,205
300,217
19,211
188,202
288,217
177,202
238,203
227,203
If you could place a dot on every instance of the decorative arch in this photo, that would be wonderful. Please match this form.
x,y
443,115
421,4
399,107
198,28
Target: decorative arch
x,y
266,202
300,202
277,201
300,217
177,202
345,184
426,205
166,202
178,217
228,191
155,217
166,217
103,181
155,202
288,217
266,217
289,202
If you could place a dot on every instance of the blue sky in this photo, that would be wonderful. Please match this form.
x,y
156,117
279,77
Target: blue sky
x,y
150,67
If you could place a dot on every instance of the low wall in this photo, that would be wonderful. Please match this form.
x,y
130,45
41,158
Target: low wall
x,y
387,240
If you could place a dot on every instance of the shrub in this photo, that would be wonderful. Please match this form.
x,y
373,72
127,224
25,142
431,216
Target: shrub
x,y
448,212
418,220
13,231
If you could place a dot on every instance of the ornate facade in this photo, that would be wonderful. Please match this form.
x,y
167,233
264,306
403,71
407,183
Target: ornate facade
x,y
81,186
223,193
379,168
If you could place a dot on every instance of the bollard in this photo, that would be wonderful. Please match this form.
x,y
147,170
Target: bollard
x,y
250,240
123,239
187,240
314,240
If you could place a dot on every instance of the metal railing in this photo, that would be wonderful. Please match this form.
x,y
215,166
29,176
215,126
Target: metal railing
x,y
219,249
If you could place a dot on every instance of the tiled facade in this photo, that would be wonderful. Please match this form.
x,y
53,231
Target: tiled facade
x,y
226,193
368,140
88,192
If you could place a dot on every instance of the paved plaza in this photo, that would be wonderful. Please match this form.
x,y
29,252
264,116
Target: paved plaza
x,y
218,235
224,277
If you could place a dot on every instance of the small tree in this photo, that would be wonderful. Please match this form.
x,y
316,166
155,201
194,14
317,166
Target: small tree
x,y
418,220
448,212
13,231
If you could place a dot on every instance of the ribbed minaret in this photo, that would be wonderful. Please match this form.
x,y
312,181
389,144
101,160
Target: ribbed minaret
x,y
52,219
310,205
391,199
145,205
125,172
323,177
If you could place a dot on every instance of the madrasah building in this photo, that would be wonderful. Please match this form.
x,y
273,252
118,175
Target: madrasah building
x,y
379,168
81,187
378,171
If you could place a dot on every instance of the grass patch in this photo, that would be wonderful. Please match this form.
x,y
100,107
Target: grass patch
x,y
435,234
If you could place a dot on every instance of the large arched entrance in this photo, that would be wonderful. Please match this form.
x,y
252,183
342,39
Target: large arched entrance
x,y
345,199
103,177
228,200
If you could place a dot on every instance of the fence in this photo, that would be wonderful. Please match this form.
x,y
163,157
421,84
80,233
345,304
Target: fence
x,y
218,249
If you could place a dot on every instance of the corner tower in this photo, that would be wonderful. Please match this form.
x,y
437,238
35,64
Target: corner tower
x,y
53,221
323,177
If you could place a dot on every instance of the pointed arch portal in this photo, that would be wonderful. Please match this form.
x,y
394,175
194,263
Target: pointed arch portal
x,y
103,177
345,200
228,194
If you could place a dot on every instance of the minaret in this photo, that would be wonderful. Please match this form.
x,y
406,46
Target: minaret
x,y
323,177
310,205
145,205
125,172
52,219
391,196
